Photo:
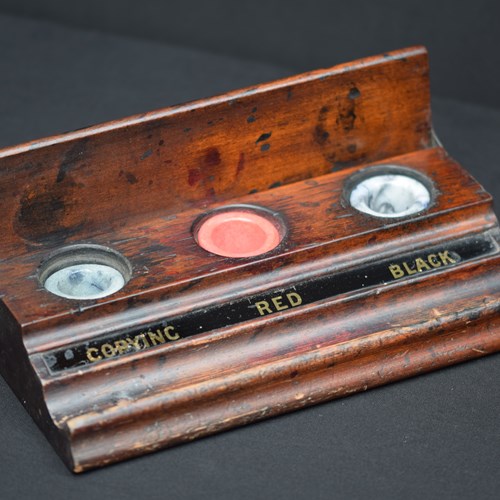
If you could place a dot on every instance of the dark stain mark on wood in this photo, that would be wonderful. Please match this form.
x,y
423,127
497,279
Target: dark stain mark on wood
x,y
354,93
70,159
265,147
194,176
251,119
146,154
131,178
263,137
275,185
320,134
212,157
346,114
41,209
41,217
161,143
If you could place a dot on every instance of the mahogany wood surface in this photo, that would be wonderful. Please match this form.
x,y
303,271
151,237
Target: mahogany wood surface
x,y
138,185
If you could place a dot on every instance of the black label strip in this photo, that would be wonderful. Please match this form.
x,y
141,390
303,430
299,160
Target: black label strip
x,y
272,302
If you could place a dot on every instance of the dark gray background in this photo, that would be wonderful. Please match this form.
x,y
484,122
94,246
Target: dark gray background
x,y
461,35
434,436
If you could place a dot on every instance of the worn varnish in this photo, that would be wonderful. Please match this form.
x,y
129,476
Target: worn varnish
x,y
332,319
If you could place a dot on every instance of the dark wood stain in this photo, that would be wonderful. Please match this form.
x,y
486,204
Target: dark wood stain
x,y
264,137
212,157
131,178
71,159
194,176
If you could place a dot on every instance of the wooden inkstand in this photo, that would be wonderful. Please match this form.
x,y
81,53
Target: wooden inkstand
x,y
208,265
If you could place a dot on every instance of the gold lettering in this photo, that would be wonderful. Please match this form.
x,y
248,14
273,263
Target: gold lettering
x,y
263,307
135,342
121,346
138,342
294,298
156,337
278,303
90,354
422,265
171,336
408,270
144,339
433,260
446,258
108,350
396,271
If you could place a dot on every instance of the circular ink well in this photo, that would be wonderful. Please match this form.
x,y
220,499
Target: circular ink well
x,y
390,195
85,272
239,232
85,281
